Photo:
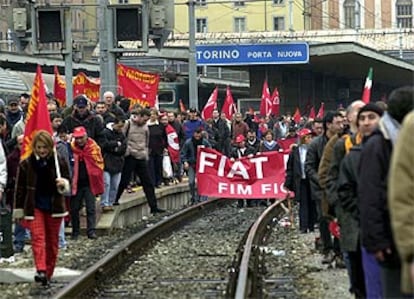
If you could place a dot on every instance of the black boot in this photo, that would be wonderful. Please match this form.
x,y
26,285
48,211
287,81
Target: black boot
x,y
42,278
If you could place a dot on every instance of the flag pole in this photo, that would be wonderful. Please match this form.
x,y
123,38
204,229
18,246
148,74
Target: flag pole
x,y
58,175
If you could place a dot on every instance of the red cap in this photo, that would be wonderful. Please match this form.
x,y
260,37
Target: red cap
x,y
79,132
239,138
304,132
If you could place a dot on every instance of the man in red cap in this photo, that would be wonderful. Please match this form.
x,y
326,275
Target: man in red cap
x,y
87,181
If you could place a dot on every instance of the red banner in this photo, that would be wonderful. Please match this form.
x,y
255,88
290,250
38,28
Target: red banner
x,y
260,176
83,84
140,87
286,143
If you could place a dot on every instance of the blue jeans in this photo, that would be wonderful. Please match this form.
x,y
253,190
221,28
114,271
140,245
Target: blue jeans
x,y
20,235
195,197
62,239
111,183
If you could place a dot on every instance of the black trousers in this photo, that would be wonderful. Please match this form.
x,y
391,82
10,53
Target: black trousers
x,y
306,207
141,169
357,273
326,237
75,206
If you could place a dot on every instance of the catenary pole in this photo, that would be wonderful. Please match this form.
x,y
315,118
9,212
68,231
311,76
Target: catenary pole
x,y
192,63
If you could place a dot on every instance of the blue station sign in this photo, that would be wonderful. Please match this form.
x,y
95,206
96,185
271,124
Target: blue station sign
x,y
247,54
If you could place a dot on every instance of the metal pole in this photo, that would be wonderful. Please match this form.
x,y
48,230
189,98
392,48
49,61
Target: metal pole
x,y
400,39
265,15
103,45
291,16
192,63
145,24
68,56
112,84
34,29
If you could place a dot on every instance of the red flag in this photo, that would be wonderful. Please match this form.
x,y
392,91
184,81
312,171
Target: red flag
x,y
141,87
173,143
59,88
275,102
297,116
266,103
366,94
182,106
312,113
229,108
82,84
321,111
210,105
37,117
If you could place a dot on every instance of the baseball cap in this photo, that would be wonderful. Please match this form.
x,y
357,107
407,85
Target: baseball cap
x,y
240,138
12,100
304,132
81,101
79,132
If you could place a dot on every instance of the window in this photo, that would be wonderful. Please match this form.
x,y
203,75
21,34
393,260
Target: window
x,y
201,2
239,24
123,1
278,2
201,25
278,23
349,12
166,96
239,3
404,13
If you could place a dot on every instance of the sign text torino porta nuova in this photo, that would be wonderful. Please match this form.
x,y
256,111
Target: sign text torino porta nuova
x,y
286,53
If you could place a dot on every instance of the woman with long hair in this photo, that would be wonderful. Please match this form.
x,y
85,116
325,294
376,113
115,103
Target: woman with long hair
x,y
39,200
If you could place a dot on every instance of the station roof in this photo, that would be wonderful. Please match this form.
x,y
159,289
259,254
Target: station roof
x,y
347,59
342,59
28,63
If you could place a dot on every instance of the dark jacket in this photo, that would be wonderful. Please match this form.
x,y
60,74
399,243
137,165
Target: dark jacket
x,y
347,199
372,194
341,148
293,170
313,157
237,153
255,144
221,135
26,182
157,138
113,150
91,122
189,152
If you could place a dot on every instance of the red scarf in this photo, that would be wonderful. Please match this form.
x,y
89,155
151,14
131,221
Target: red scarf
x,y
92,157
173,144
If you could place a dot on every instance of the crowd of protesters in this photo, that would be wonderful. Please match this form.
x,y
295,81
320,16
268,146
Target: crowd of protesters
x,y
338,169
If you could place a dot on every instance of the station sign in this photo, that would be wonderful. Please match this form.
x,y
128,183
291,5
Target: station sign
x,y
247,54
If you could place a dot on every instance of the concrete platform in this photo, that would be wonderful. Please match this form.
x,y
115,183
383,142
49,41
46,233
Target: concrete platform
x,y
18,275
133,207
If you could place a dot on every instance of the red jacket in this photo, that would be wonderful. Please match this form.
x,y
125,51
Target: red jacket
x,y
92,156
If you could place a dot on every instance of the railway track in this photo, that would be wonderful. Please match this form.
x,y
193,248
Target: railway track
x,y
211,250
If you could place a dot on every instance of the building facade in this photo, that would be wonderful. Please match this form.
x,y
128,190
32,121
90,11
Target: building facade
x,y
241,16
84,24
358,14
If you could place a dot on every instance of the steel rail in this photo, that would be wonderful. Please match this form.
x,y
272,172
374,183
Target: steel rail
x,y
112,262
247,277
